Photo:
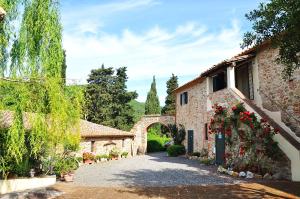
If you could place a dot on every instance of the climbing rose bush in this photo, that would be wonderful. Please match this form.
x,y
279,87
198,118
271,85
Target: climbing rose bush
x,y
249,143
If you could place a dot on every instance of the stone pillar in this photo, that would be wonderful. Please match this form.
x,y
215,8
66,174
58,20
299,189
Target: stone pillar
x,y
230,76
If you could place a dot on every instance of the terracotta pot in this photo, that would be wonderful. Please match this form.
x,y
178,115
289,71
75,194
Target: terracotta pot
x,y
69,177
88,161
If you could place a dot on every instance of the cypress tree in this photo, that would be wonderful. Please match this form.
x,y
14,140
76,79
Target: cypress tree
x,y
172,84
152,103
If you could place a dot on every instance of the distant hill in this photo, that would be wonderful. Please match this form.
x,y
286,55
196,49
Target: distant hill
x,y
139,109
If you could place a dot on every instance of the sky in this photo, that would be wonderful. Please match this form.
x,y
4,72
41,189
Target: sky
x,y
151,37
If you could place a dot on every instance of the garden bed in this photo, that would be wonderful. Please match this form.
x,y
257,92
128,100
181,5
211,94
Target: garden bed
x,y
21,184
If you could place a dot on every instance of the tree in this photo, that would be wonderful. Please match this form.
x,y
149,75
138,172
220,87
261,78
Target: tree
x,y
170,102
31,83
152,103
279,22
107,98
64,68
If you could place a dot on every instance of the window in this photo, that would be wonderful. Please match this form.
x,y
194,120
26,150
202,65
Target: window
x,y
93,148
206,131
219,81
184,98
123,143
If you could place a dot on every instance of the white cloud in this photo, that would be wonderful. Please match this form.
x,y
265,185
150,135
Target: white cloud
x,y
186,51
89,17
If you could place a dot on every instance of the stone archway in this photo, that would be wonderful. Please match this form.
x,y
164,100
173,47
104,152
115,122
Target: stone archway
x,y
140,130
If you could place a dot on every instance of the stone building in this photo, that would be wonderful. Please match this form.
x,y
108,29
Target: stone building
x,y
102,139
254,78
94,137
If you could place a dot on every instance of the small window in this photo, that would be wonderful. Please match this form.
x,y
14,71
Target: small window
x,y
184,98
123,143
219,81
206,131
93,147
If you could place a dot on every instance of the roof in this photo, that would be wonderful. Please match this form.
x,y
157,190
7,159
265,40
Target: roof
x,y
87,129
243,56
195,81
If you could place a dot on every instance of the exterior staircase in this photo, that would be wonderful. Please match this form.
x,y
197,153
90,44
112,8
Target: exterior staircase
x,y
288,139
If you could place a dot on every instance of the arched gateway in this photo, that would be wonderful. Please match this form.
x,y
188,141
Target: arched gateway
x,y
140,130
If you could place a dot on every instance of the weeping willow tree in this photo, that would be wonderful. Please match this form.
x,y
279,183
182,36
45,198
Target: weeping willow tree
x,y
45,114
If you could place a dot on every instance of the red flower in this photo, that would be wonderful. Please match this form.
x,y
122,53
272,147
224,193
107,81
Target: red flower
x,y
247,113
251,126
228,132
234,108
242,151
276,130
262,120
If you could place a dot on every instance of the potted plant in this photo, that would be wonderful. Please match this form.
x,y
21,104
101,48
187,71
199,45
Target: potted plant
x,y
114,153
64,167
104,158
88,157
124,154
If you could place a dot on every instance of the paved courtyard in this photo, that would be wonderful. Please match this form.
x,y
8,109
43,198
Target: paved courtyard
x,y
155,169
158,176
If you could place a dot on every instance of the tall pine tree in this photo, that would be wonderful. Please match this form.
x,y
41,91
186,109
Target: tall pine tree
x,y
152,103
107,98
169,108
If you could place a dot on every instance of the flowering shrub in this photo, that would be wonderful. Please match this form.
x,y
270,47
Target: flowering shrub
x,y
249,143
88,156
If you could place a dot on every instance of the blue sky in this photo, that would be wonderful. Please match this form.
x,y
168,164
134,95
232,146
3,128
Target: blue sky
x,y
152,37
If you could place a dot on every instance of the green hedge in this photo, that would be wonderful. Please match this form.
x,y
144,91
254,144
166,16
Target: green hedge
x,y
176,150
156,142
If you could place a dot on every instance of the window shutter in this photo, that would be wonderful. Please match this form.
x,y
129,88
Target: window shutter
x,y
186,97
181,99
206,131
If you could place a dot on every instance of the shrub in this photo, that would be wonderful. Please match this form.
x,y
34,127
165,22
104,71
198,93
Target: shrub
x,y
65,164
249,143
176,150
124,154
207,161
178,133
196,154
156,142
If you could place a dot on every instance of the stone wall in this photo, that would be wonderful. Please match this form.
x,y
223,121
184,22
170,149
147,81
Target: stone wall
x,y
193,114
224,98
104,145
141,127
276,93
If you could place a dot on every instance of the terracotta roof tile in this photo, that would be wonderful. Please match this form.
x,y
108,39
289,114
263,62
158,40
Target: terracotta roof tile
x,y
87,129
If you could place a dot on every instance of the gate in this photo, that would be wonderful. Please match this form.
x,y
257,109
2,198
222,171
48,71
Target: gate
x,y
220,148
190,141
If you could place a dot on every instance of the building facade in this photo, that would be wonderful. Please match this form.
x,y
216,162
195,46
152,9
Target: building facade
x,y
101,139
254,78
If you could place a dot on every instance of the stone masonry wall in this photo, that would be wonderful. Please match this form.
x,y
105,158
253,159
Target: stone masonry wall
x,y
224,98
276,93
193,115
109,143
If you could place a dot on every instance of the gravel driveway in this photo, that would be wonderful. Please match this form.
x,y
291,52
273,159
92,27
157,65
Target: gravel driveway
x,y
156,169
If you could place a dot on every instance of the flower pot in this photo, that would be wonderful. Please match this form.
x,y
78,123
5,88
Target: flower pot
x,y
69,177
88,161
